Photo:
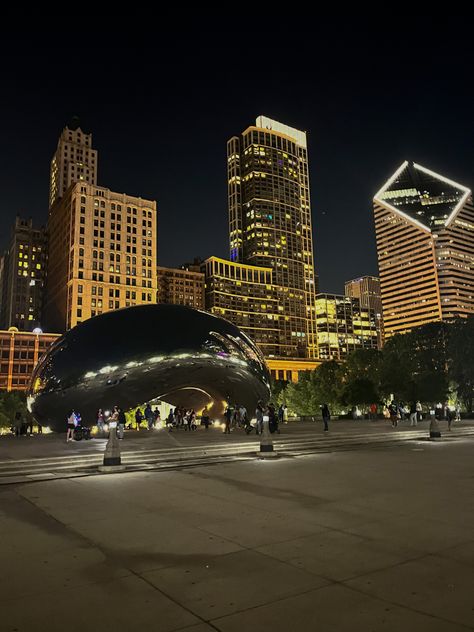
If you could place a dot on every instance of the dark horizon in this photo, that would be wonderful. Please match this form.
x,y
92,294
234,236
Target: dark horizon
x,y
161,132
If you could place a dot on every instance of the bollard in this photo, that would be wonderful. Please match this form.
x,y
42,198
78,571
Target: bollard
x,y
112,460
434,428
266,441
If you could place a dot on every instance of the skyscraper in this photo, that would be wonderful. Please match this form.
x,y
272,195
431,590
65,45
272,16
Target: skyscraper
x,y
246,296
424,225
74,160
367,290
23,277
270,223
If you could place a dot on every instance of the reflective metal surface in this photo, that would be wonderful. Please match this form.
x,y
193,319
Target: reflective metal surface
x,y
127,357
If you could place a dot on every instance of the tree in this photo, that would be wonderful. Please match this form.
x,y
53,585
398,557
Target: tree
x,y
461,353
11,402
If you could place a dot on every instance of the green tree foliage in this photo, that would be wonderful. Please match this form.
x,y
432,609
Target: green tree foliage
x,y
10,403
419,365
461,359
315,388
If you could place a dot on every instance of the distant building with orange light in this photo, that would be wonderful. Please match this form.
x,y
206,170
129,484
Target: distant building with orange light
x,y
19,353
424,225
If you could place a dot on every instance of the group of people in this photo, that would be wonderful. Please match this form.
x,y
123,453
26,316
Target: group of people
x,y
23,425
151,417
185,418
237,417
414,412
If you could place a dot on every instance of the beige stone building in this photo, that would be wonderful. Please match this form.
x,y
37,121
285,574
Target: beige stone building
x,y
102,254
74,161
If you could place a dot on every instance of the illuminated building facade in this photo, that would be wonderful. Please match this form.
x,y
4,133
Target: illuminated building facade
x,y
270,223
23,277
367,290
288,369
343,325
180,286
102,254
424,225
19,353
246,296
73,161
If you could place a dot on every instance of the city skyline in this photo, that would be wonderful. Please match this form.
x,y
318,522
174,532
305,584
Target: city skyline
x,y
359,121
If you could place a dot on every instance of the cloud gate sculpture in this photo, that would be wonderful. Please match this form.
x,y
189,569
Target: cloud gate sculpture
x,y
127,357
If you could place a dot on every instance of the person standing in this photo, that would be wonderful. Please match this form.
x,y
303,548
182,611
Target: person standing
x,y
281,414
100,420
450,414
205,418
121,421
326,417
138,418
71,424
413,414
228,419
272,419
18,423
149,416
373,412
259,417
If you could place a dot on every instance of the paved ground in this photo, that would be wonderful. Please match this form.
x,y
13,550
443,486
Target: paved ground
x,y
362,539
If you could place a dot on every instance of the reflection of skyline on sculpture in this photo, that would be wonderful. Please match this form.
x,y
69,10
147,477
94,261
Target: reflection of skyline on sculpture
x,y
128,357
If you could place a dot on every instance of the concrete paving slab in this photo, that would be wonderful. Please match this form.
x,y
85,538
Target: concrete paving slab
x,y
337,555
232,582
126,605
333,608
434,585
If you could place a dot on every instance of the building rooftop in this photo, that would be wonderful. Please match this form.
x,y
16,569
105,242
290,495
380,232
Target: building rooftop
x,y
422,195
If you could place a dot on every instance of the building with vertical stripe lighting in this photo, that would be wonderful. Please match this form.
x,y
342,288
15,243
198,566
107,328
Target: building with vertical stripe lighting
x,y
270,223
424,225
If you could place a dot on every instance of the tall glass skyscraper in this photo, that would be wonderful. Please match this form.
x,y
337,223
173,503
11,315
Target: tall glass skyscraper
x,y
424,225
270,223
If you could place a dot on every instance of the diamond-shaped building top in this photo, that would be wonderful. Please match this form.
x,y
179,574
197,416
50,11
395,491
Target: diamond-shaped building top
x,y
422,195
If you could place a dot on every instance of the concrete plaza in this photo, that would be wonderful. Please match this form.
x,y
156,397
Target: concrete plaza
x,y
369,539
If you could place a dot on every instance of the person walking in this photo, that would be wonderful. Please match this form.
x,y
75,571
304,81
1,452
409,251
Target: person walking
x,y
121,421
71,424
419,411
393,410
18,423
413,414
281,414
326,416
373,412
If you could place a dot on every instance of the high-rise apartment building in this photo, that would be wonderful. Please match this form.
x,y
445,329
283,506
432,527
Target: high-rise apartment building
x,y
343,325
180,286
102,254
424,225
23,277
74,161
270,223
244,295
367,290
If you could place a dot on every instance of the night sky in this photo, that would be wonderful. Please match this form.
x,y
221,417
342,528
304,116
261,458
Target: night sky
x,y
160,117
